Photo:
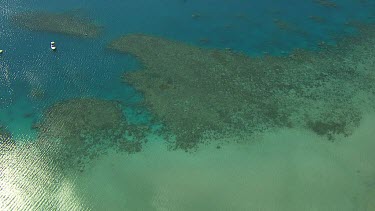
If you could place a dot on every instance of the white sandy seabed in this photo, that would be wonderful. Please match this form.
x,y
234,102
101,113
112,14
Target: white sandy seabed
x,y
284,170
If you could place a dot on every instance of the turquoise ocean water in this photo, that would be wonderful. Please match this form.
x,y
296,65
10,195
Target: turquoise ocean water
x,y
288,170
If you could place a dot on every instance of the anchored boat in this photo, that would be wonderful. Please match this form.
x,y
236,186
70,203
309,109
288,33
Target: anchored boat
x,y
53,46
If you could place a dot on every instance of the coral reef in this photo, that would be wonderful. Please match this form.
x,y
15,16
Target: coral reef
x,y
82,129
70,23
202,94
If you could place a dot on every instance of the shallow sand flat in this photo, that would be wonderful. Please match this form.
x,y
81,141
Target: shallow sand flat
x,y
284,170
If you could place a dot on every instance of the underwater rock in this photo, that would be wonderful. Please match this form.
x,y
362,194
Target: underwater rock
x,y
204,94
37,93
289,27
196,15
326,3
79,130
317,19
6,140
69,23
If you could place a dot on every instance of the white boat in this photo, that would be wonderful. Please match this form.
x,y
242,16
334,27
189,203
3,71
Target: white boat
x,y
1,51
53,46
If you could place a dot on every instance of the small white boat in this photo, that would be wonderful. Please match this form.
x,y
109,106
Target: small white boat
x,y
53,46
1,51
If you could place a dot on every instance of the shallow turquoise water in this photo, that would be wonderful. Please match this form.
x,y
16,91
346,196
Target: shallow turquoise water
x,y
150,181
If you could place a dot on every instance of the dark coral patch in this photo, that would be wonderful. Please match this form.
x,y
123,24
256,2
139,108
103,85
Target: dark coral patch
x,y
79,130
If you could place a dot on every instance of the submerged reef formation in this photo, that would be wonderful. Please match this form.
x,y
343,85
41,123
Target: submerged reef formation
x,y
289,27
326,3
37,93
69,23
6,139
79,130
205,94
